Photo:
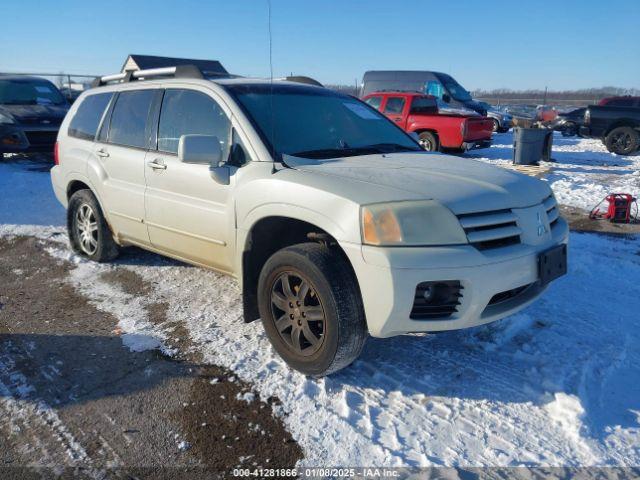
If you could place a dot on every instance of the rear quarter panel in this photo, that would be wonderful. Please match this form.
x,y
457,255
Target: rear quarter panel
x,y
448,128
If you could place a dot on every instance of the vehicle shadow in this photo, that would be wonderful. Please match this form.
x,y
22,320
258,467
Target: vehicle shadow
x,y
61,370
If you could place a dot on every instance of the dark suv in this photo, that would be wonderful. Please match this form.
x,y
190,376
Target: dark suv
x,y
31,110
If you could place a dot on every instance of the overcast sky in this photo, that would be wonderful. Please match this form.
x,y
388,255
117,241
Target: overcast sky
x,y
483,44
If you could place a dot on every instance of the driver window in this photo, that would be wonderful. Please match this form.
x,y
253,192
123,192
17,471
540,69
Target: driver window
x,y
187,112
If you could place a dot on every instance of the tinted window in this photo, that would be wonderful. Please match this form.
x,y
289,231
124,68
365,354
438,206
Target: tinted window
x,y
394,105
27,91
297,120
86,120
129,118
423,105
621,102
374,102
186,112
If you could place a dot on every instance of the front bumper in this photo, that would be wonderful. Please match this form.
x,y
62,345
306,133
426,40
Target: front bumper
x,y
27,138
388,278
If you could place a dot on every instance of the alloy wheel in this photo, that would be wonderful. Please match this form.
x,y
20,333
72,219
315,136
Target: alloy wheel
x,y
87,229
622,141
298,314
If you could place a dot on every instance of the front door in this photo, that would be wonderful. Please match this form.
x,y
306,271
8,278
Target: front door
x,y
393,109
189,214
121,152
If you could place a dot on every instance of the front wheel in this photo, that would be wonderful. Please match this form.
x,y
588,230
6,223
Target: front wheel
x,y
89,233
623,141
311,308
570,130
496,125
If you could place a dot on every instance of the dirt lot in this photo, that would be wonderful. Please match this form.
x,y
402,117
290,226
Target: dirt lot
x,y
72,395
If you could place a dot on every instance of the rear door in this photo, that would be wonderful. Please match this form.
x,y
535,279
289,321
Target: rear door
x,y
394,107
120,149
189,214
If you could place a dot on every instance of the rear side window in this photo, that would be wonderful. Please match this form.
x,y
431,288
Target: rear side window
x,y
394,105
129,118
423,105
187,112
374,102
85,122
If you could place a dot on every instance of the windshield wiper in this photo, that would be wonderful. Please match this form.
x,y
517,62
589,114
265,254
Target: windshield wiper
x,y
325,153
392,148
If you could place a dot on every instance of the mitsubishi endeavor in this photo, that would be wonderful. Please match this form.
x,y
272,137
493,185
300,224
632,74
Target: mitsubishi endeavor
x,y
334,221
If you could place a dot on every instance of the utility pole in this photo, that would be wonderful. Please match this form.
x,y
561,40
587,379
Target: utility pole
x,y
544,100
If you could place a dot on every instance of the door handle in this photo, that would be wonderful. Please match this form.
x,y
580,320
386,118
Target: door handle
x,y
156,165
102,153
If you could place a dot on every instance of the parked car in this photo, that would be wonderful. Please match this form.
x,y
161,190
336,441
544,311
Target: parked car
x,y
440,85
569,123
502,121
618,127
624,101
31,110
419,114
521,115
334,221
546,113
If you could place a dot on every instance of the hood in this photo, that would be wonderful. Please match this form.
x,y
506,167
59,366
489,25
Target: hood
x,y
477,107
36,114
462,185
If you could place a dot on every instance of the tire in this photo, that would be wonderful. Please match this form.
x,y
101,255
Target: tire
x,y
331,294
428,141
570,130
496,125
622,140
89,234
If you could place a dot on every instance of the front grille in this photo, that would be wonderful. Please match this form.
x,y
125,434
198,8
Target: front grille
x,y
48,121
551,206
41,137
494,229
442,307
507,295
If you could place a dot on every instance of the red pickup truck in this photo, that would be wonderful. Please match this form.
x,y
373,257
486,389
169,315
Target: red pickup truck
x,y
419,113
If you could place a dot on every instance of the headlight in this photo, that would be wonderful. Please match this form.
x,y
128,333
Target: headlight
x,y
6,119
587,117
410,223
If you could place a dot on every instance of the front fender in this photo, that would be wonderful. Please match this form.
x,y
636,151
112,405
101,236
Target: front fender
x,y
295,212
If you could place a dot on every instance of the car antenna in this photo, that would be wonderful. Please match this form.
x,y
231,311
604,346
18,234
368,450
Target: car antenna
x,y
273,119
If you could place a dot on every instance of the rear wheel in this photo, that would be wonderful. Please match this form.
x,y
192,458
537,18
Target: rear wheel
x,y
428,141
89,233
311,308
623,141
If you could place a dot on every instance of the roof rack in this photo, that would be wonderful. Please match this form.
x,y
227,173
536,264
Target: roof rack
x,y
180,71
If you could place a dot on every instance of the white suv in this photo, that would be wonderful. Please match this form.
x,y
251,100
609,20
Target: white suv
x,y
334,221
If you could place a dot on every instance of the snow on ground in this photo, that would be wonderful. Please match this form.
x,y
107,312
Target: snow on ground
x,y
557,384
584,171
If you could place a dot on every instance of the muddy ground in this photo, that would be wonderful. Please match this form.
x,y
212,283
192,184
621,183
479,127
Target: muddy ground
x,y
75,401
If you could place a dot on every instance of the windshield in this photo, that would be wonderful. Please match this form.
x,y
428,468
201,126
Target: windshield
x,y
29,92
317,123
458,92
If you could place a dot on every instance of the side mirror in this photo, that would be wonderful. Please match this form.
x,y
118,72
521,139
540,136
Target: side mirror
x,y
446,98
204,149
